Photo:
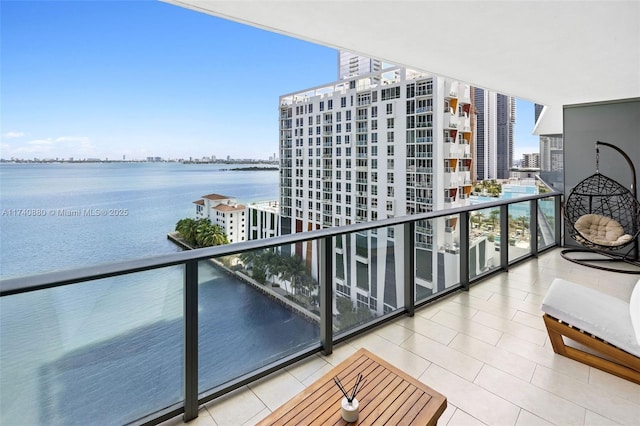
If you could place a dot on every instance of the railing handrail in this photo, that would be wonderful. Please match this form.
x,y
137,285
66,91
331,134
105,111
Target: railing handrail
x,y
53,279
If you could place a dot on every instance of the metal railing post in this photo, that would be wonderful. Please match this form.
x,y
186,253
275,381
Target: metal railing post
x,y
504,237
409,268
533,227
464,250
558,219
190,340
326,294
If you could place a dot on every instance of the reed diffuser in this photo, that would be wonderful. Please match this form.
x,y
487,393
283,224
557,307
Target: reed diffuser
x,y
350,404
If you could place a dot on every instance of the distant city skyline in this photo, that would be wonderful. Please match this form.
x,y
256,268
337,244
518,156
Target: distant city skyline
x,y
168,83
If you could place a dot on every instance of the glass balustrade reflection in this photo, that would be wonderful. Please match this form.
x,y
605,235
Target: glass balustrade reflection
x,y
102,352
546,223
519,238
368,274
254,308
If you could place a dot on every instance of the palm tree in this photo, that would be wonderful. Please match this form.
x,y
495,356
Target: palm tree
x,y
493,215
293,270
187,229
211,235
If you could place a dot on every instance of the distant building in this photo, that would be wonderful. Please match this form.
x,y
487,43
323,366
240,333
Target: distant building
x,y
524,173
225,212
352,64
495,117
531,160
551,156
264,220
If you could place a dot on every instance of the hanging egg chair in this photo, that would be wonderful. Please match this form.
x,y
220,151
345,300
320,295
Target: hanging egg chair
x,y
603,216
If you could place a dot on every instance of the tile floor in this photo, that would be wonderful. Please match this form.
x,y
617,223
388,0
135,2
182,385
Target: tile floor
x,y
486,350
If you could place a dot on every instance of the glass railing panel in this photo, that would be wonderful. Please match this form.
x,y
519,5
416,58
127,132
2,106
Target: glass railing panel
x,y
437,256
254,308
108,351
546,223
368,275
484,243
519,238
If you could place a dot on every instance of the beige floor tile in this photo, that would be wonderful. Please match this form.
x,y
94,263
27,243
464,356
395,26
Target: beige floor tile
x,y
531,320
203,419
468,327
484,305
470,398
275,390
499,358
428,311
503,289
615,385
520,305
394,333
524,332
444,356
318,374
587,395
448,413
429,328
593,419
457,309
304,369
534,298
545,356
397,356
460,418
235,408
527,419
340,353
257,418
533,399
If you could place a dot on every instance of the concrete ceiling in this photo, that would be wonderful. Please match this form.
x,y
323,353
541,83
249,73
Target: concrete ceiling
x,y
551,52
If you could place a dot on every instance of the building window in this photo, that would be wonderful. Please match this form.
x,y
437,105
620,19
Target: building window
x,y
389,108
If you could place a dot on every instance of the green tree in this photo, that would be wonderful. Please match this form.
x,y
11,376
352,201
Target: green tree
x,y
187,229
493,215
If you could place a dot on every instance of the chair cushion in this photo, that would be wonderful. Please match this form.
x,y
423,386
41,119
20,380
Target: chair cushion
x,y
597,313
602,230
634,310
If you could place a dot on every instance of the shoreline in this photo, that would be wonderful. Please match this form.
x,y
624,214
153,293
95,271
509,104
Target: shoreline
x,y
264,289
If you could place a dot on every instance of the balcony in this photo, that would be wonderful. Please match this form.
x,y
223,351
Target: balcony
x,y
485,348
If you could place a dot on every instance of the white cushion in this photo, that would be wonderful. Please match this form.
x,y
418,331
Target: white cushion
x,y
597,313
634,310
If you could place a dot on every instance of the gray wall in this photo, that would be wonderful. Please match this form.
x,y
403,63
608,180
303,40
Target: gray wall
x,y
615,122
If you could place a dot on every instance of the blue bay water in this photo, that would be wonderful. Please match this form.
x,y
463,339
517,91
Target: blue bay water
x,y
110,351
154,195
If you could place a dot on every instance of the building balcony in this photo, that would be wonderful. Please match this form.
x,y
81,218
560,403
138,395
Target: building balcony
x,y
485,349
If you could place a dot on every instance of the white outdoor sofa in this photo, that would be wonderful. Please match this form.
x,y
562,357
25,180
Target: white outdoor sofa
x,y
607,326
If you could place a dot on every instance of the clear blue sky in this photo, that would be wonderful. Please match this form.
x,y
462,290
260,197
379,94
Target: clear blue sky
x,y
145,78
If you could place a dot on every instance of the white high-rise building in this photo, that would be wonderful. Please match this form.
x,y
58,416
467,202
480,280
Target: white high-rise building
x,y
379,145
351,65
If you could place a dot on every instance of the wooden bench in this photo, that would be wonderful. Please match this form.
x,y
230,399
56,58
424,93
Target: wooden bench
x,y
389,396
607,326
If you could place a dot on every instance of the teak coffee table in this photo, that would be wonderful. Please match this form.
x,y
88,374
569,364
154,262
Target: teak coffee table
x,y
389,396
